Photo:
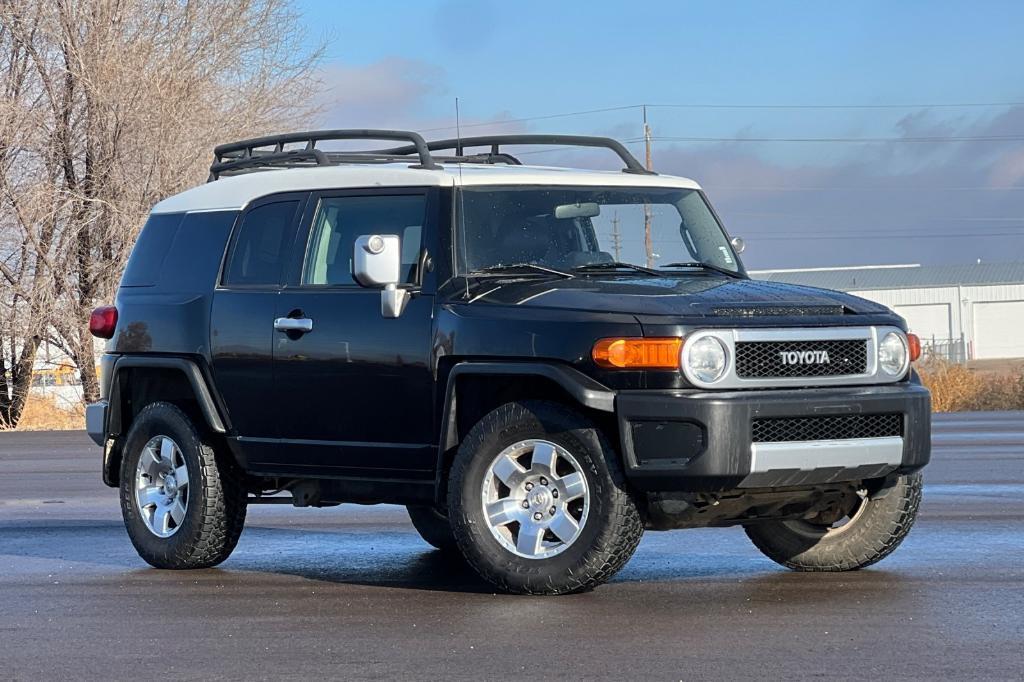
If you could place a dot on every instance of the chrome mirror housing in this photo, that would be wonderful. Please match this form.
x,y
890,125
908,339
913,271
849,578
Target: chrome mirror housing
x,y
738,245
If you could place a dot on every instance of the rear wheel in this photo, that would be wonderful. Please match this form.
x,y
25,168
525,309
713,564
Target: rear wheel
x,y
860,532
183,503
538,501
433,526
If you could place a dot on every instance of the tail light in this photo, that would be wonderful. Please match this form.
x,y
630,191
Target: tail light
x,y
914,344
103,322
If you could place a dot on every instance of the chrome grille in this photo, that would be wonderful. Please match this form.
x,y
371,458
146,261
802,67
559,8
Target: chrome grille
x,y
840,427
768,359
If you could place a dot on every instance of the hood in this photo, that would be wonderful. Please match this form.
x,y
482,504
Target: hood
x,y
700,295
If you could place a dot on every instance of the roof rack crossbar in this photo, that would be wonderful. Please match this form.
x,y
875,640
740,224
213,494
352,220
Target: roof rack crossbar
x,y
276,158
235,156
496,141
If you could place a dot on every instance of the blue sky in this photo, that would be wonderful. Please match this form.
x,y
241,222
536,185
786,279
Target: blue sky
x,y
402,64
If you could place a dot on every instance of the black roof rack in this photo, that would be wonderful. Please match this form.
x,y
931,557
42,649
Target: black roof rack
x,y
496,141
248,155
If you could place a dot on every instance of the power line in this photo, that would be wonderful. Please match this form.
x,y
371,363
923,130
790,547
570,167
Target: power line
x,y
507,121
831,236
862,140
826,237
932,105
919,232
890,188
801,216
704,105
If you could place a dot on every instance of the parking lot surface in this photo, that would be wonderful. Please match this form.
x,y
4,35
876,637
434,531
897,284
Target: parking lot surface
x,y
353,593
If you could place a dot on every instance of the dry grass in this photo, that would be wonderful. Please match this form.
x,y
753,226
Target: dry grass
x,y
957,388
46,414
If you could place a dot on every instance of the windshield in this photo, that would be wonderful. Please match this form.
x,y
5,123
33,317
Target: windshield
x,y
565,228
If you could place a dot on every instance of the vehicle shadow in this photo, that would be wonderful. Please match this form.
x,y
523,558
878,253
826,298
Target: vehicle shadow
x,y
396,558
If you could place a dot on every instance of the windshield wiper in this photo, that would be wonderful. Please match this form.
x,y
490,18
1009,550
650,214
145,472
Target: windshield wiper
x,y
705,266
492,269
616,265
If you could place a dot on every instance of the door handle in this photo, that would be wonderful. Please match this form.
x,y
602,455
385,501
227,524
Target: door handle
x,y
293,324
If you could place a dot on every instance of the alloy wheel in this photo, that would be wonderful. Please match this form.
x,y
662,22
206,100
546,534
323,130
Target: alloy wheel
x,y
162,486
535,499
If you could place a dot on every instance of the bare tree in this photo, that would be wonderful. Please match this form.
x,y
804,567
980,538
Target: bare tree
x,y
111,105
26,228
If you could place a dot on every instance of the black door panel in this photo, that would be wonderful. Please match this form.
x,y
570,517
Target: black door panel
x,y
241,338
356,391
242,322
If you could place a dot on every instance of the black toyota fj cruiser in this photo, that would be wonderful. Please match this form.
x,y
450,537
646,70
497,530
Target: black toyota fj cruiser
x,y
539,362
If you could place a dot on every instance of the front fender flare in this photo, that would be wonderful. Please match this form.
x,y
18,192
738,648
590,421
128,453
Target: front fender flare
x,y
583,389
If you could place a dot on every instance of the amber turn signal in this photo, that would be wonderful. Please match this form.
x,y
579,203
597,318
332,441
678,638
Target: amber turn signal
x,y
638,353
914,345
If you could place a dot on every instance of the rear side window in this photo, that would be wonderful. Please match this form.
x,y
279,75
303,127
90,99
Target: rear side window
x,y
339,220
261,245
147,259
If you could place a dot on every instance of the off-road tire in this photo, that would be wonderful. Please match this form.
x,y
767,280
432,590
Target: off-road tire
x,y
607,539
869,537
215,511
433,526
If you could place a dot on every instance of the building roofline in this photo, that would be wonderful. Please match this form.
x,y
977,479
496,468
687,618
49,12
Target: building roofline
x,y
834,269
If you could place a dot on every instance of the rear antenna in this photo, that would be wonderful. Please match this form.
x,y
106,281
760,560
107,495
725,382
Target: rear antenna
x,y
460,224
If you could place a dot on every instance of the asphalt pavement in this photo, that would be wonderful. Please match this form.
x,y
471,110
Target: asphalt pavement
x,y
353,593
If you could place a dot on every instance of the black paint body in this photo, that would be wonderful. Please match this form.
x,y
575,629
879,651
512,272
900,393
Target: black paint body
x,y
367,397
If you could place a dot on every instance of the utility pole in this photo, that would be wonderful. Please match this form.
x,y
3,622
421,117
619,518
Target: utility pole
x,y
648,244
616,237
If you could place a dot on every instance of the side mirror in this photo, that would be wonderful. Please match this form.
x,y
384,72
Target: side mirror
x,y
377,263
738,245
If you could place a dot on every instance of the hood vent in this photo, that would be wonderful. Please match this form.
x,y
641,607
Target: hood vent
x,y
777,310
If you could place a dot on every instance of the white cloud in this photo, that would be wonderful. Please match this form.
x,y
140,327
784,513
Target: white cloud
x,y
387,93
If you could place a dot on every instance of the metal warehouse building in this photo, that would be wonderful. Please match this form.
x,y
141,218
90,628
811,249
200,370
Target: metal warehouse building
x,y
960,311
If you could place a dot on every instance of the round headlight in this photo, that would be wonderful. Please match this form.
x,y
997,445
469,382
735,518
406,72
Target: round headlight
x,y
706,359
892,354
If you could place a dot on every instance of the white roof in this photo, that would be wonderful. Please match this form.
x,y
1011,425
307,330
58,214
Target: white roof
x,y
233,193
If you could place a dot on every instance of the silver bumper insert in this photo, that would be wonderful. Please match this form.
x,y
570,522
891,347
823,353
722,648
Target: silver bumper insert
x,y
826,454
96,421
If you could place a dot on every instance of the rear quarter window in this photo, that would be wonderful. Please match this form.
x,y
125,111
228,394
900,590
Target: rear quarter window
x,y
179,251
151,248
198,248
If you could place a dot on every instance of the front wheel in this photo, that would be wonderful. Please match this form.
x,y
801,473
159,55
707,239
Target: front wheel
x,y
183,503
864,531
538,501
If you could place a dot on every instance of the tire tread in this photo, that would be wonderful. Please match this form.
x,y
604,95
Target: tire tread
x,y
883,531
618,542
221,518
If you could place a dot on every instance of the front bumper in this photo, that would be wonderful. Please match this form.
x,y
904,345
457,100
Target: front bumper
x,y
703,441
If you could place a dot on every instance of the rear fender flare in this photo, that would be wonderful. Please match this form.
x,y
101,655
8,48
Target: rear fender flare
x,y
200,388
213,415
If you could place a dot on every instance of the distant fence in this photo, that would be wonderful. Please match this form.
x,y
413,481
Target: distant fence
x,y
950,350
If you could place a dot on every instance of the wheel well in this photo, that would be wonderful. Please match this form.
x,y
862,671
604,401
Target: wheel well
x,y
132,389
474,395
